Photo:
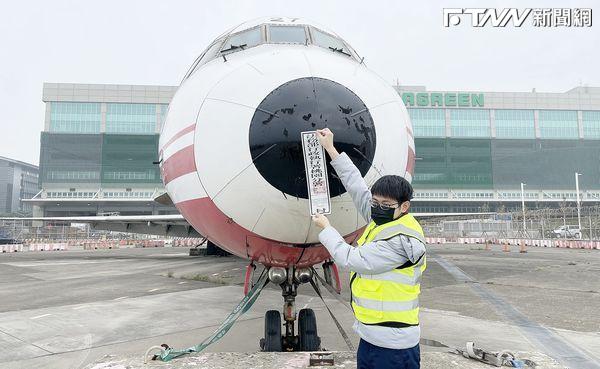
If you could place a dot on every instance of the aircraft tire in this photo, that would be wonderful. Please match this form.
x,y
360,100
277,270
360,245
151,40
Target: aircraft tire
x,y
272,341
307,331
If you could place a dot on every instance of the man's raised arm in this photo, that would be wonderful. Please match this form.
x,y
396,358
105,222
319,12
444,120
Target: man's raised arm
x,y
348,173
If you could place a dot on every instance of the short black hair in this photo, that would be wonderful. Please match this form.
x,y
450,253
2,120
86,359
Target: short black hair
x,y
394,187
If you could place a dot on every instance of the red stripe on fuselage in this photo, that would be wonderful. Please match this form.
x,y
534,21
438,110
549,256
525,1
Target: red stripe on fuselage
x,y
410,163
178,164
187,129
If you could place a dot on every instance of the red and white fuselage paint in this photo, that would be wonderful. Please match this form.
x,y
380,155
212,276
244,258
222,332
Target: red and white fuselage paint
x,y
207,167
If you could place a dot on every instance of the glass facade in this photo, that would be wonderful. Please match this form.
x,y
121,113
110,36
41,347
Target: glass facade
x,y
164,108
591,124
131,118
470,122
73,117
129,159
518,124
453,163
70,158
98,159
558,124
428,122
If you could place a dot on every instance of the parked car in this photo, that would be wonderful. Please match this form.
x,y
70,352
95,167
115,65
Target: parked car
x,y
567,231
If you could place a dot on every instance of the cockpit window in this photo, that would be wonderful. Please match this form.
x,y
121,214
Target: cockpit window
x,y
205,57
287,34
243,40
328,41
211,51
274,34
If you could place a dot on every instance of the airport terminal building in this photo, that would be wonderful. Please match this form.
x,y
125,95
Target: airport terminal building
x,y
473,149
98,147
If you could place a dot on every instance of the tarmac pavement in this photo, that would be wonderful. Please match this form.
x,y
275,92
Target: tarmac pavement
x,y
71,309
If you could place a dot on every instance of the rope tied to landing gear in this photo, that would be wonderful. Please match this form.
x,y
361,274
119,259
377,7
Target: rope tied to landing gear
x,y
333,293
168,353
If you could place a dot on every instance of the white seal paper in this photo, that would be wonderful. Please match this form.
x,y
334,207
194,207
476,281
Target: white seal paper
x,y
316,174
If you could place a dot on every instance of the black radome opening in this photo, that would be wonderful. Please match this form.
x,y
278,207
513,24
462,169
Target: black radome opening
x,y
307,104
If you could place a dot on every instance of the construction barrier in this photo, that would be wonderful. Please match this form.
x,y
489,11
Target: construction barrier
x,y
150,243
435,240
475,240
37,244
523,243
11,248
55,246
101,245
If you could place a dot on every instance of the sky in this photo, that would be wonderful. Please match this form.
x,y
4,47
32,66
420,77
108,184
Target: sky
x,y
153,42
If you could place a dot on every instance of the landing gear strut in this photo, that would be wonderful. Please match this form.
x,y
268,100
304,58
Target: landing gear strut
x,y
275,340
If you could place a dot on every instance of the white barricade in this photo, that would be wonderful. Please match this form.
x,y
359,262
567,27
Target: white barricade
x,y
435,240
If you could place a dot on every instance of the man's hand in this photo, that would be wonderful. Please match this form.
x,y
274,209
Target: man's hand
x,y
321,220
325,137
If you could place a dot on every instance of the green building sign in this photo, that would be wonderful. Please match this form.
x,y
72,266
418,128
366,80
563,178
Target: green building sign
x,y
431,99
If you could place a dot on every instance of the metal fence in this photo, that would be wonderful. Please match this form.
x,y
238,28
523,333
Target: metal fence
x,y
539,223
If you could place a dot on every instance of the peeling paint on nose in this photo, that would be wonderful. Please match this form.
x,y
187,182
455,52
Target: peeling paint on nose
x,y
307,104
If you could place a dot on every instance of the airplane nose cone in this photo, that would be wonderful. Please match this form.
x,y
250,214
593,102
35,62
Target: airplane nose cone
x,y
307,104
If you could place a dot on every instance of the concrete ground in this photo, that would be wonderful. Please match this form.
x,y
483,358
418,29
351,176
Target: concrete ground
x,y
71,309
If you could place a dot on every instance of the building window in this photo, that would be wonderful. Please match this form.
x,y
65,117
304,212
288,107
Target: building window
x,y
470,122
131,118
514,124
558,124
130,175
53,175
70,117
428,122
164,108
591,124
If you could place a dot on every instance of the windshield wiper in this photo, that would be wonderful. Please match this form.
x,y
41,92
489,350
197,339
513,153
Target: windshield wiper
x,y
234,47
339,50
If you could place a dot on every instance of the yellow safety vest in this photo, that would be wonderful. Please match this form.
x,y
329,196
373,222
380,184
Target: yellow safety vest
x,y
390,298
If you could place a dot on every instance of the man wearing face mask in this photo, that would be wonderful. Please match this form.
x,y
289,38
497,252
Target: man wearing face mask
x,y
386,266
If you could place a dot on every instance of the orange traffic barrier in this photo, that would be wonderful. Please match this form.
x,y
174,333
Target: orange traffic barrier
x,y
522,247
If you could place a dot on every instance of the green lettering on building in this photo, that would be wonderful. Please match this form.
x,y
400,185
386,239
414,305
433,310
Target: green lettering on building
x,y
433,99
450,99
408,98
476,99
436,99
422,99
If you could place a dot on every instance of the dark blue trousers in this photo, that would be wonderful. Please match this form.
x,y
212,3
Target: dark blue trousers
x,y
374,357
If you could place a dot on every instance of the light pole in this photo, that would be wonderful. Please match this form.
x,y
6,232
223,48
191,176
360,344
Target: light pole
x,y
523,206
578,204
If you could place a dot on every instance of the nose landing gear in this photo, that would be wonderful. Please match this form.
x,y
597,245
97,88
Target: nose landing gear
x,y
275,340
